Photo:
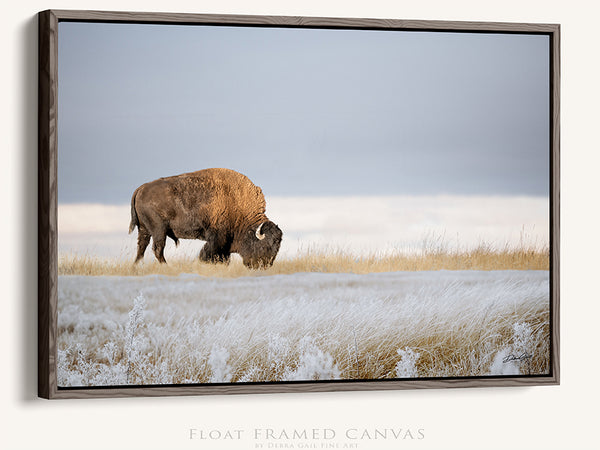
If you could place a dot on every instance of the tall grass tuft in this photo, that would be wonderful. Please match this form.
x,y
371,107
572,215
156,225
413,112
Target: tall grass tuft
x,y
133,341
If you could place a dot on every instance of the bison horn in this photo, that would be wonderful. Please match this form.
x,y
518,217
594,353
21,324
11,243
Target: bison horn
x,y
258,233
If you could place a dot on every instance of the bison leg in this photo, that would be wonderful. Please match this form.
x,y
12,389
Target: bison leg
x,y
215,252
143,241
158,245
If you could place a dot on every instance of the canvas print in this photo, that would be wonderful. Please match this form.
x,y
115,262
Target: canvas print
x,y
243,204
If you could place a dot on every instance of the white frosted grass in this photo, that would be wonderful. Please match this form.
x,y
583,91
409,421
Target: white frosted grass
x,y
515,358
218,362
406,367
133,338
313,363
306,326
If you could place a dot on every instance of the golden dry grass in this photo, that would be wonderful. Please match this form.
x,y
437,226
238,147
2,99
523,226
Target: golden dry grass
x,y
483,257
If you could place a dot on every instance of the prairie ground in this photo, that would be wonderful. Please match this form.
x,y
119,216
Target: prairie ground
x,y
239,327
433,257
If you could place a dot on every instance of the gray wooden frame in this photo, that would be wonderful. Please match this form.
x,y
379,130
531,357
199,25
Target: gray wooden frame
x,y
47,197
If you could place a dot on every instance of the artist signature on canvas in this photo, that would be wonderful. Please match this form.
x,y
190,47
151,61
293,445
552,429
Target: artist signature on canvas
x,y
521,357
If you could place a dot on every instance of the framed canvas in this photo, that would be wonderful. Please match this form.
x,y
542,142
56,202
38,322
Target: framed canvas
x,y
246,204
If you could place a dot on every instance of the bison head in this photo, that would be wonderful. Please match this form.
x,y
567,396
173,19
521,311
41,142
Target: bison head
x,y
260,245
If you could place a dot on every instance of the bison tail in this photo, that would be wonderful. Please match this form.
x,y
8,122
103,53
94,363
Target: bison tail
x,y
134,218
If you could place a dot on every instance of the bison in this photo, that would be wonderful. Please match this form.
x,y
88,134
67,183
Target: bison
x,y
220,206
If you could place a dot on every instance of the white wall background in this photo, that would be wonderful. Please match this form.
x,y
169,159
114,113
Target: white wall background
x,y
543,417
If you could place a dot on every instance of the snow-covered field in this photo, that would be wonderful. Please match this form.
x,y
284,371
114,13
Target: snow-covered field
x,y
305,326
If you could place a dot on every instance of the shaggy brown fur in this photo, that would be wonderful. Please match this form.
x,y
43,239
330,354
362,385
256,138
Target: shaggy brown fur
x,y
220,206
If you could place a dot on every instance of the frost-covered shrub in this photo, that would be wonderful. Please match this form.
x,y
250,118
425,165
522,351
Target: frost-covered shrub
x,y
522,338
66,376
136,319
134,341
76,367
313,364
110,374
217,360
110,352
515,358
406,367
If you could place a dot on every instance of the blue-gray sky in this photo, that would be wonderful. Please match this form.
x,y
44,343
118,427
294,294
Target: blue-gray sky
x,y
302,111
